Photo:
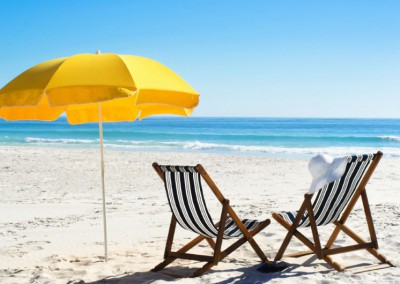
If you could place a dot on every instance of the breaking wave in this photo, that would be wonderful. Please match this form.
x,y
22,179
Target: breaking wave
x,y
59,141
207,147
391,138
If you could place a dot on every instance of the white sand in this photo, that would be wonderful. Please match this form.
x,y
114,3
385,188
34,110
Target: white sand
x,y
51,220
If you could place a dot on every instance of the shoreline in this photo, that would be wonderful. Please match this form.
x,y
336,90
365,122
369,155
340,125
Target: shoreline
x,y
279,153
51,220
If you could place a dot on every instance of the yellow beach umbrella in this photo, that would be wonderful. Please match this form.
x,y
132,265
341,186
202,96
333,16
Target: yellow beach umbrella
x,y
97,88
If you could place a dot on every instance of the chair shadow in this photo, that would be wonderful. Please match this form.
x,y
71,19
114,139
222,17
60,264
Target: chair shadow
x,y
137,277
251,275
247,275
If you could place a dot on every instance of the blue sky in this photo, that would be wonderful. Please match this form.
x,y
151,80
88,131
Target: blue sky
x,y
246,58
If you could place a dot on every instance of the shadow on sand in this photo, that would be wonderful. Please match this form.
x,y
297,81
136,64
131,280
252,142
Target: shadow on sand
x,y
238,276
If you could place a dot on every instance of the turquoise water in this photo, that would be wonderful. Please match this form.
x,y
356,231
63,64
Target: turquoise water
x,y
244,136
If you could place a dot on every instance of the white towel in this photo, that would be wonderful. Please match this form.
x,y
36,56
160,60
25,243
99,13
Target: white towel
x,y
325,169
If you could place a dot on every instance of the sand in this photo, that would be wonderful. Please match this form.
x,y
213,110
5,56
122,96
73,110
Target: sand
x,y
51,228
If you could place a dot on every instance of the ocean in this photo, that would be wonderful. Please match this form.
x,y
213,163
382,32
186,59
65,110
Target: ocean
x,y
287,137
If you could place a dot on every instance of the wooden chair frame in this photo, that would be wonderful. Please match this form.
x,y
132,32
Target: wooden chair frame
x,y
218,255
326,252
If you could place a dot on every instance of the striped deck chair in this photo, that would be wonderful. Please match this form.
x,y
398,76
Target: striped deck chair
x,y
333,205
189,210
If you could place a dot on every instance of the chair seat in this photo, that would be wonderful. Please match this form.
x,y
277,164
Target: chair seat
x,y
233,231
289,217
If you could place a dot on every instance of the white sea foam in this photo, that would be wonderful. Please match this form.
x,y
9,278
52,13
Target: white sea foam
x,y
334,151
134,147
58,140
391,137
222,148
134,142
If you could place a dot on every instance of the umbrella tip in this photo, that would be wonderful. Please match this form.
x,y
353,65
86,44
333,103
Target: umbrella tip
x,y
98,51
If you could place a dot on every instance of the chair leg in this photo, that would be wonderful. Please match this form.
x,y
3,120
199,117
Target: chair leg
x,y
184,249
257,250
292,231
233,247
222,254
333,264
360,240
211,243
170,237
304,240
300,237
218,243
368,216
247,235
202,270
243,240
314,229
255,246
287,239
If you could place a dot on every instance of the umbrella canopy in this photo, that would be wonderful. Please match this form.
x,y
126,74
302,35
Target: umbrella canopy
x,y
127,86
97,88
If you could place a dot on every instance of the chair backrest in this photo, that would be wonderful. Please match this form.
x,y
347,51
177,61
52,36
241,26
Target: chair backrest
x,y
333,198
186,199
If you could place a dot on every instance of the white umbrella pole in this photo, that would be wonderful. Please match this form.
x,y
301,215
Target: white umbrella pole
x,y
102,181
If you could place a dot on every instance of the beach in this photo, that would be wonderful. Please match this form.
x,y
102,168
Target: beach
x,y
51,226
252,91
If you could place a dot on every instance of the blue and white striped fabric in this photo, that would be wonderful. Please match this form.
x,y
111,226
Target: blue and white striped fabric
x,y
186,199
334,197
